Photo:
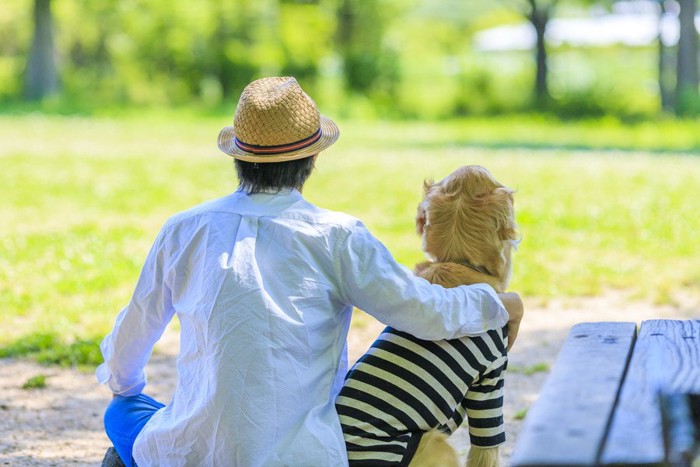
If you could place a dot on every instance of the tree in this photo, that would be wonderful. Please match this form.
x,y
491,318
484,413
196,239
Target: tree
x,y
41,79
687,81
666,64
539,13
367,64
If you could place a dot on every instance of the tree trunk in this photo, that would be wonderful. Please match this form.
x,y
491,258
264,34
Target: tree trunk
x,y
539,17
666,68
687,98
42,75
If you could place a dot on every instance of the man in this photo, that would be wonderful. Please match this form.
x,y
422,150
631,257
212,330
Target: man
x,y
264,284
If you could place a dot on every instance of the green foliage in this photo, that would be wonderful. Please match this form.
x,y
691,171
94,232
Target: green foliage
x,y
15,37
303,52
35,382
178,52
359,58
368,64
688,104
520,414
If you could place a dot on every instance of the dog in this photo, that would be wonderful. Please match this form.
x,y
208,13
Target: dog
x,y
405,396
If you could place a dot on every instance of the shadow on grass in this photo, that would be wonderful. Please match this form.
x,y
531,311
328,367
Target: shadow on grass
x,y
543,146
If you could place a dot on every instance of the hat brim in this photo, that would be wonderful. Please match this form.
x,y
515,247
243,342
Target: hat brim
x,y
329,135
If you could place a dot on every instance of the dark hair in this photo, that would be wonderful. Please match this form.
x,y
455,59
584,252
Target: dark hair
x,y
254,177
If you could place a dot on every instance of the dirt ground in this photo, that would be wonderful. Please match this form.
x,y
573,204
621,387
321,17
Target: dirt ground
x,y
61,424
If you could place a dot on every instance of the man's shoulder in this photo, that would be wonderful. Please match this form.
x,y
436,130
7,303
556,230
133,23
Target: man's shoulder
x,y
222,205
237,204
311,213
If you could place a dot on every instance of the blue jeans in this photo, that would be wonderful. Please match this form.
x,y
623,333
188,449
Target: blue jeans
x,y
124,419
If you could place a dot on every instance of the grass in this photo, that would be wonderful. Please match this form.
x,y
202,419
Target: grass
x,y
530,370
35,382
84,198
541,132
52,349
520,414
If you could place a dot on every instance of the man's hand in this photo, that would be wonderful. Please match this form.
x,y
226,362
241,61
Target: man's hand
x,y
515,309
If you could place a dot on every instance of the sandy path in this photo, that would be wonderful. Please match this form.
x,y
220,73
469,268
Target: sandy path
x,y
62,423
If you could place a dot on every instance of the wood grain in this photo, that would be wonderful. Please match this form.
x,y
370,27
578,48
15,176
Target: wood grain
x,y
567,424
665,358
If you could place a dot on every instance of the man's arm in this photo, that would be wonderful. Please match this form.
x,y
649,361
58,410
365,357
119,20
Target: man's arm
x,y
371,280
514,305
138,326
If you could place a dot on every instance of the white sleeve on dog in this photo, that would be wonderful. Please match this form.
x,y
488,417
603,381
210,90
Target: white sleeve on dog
x,y
373,281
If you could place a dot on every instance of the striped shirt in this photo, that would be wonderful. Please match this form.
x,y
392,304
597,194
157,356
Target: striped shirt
x,y
404,386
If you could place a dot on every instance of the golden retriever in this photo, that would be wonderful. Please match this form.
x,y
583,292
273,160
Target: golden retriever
x,y
468,230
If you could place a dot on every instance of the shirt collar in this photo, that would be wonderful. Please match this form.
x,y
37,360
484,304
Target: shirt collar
x,y
293,192
264,204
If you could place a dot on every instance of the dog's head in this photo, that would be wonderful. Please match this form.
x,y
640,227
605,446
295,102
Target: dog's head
x,y
468,218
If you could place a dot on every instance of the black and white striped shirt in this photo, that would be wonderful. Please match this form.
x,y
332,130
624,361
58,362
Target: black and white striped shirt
x,y
404,386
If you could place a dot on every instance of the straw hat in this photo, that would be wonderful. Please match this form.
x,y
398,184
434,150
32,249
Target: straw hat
x,y
276,121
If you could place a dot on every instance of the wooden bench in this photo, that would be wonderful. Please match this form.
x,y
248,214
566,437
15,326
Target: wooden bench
x,y
601,405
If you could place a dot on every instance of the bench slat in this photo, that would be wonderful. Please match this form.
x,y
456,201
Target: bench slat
x,y
666,357
566,425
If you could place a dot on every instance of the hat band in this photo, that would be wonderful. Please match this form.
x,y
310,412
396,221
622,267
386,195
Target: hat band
x,y
301,144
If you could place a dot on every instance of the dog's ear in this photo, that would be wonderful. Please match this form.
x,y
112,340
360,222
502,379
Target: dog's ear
x,y
422,214
503,199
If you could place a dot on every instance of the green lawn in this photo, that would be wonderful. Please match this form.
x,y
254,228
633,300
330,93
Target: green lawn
x,y
82,199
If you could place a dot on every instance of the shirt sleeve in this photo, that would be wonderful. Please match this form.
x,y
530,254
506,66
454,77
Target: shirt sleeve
x,y
373,281
484,406
138,327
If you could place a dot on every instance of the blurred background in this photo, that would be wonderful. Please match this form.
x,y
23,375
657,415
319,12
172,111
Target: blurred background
x,y
393,59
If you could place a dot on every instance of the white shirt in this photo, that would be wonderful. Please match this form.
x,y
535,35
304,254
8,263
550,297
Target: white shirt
x,y
264,287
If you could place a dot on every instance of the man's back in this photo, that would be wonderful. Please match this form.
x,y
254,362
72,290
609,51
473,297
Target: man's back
x,y
252,285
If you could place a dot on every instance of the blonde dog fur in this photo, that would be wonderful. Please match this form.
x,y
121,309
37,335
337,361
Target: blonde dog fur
x,y
468,228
